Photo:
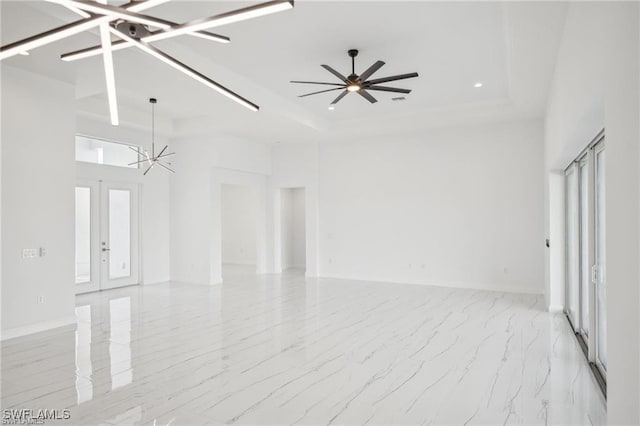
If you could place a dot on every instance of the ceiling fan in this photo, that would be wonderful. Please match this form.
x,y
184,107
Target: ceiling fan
x,y
133,29
359,84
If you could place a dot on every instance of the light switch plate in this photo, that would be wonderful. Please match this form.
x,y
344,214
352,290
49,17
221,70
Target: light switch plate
x,y
29,253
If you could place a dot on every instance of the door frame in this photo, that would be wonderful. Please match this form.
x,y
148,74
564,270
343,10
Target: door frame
x,y
599,274
99,230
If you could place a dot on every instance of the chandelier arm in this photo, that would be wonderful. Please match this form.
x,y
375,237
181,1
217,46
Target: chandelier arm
x,y
88,52
67,30
165,167
138,162
113,12
174,63
194,28
153,131
109,73
150,167
166,155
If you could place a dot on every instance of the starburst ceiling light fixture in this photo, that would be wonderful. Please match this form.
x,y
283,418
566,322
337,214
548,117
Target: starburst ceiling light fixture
x,y
153,159
133,29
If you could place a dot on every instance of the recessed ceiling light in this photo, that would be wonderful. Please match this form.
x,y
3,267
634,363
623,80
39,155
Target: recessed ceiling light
x,y
478,85
331,107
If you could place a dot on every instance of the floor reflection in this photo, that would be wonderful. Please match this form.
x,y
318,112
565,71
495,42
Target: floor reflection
x,y
120,342
285,349
84,385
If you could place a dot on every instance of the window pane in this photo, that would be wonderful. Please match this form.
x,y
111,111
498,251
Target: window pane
x,y
83,235
119,233
97,151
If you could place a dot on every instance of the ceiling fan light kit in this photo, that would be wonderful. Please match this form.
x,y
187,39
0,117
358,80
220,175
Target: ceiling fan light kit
x,y
360,84
133,29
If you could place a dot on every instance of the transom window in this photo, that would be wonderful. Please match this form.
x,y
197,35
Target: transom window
x,y
100,151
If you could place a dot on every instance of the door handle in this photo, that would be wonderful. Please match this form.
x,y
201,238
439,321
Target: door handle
x,y
106,249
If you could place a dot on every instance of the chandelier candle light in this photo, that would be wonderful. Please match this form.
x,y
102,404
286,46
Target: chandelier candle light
x,y
153,159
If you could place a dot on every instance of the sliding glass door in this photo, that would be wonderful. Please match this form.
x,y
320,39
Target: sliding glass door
x,y
572,302
585,257
585,292
599,270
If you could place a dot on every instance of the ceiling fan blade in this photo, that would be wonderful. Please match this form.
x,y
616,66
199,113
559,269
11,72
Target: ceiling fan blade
x,y
392,78
388,89
321,91
369,72
340,96
367,96
316,82
334,72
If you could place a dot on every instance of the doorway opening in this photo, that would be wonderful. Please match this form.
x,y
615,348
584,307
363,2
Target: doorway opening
x,y
238,210
293,229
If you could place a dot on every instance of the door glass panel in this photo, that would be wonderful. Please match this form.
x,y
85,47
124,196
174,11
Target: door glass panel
x,y
601,289
119,233
572,249
83,235
585,276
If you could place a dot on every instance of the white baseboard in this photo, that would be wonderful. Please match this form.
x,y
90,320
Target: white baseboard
x,y
12,333
157,282
556,309
216,281
506,288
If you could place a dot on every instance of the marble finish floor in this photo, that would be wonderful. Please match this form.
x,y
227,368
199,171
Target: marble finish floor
x,y
282,349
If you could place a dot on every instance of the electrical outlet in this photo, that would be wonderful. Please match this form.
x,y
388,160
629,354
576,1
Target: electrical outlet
x,y
40,300
43,252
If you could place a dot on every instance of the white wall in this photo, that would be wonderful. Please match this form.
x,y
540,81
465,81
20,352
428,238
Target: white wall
x,y
293,229
295,165
203,164
38,177
298,228
286,230
155,207
596,85
452,207
238,223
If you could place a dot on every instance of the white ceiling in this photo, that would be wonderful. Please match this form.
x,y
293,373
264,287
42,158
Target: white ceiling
x,y
509,47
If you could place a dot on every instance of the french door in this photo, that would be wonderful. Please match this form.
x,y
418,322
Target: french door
x,y
107,240
585,296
